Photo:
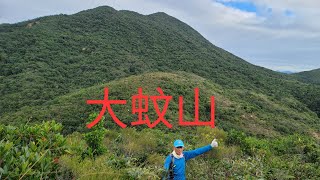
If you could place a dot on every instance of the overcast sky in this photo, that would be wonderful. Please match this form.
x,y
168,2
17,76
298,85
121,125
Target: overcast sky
x,y
282,35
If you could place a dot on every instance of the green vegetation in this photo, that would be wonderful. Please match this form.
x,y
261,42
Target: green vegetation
x,y
312,76
31,152
51,56
133,154
94,138
251,112
268,123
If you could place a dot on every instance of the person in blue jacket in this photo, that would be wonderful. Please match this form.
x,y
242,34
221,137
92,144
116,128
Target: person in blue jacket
x,y
175,163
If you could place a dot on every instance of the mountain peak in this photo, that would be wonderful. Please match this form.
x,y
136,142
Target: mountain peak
x,y
63,53
101,9
159,14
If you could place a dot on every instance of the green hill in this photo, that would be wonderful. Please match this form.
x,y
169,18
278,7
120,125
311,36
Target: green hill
x,y
47,57
312,76
252,112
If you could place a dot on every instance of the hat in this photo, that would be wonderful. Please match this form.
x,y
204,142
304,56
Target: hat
x,y
178,143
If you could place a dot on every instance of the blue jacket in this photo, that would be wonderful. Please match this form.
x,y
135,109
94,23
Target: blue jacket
x,y
180,164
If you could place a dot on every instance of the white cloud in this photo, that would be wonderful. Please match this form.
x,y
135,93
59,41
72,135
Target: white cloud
x,y
270,37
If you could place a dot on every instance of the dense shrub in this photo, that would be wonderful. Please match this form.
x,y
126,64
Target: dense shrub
x,y
31,151
94,138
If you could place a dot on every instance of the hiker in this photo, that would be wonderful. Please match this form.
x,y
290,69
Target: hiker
x,y
176,161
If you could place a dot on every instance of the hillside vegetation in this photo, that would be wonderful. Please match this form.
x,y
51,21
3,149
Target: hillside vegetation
x,y
312,76
267,123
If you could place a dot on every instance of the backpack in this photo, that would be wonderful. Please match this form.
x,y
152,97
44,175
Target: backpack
x,y
169,174
171,166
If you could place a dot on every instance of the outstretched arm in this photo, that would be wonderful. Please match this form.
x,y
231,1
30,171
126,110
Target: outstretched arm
x,y
191,154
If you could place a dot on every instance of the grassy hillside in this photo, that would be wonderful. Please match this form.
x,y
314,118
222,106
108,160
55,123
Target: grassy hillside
x,y
312,76
249,111
40,152
44,58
